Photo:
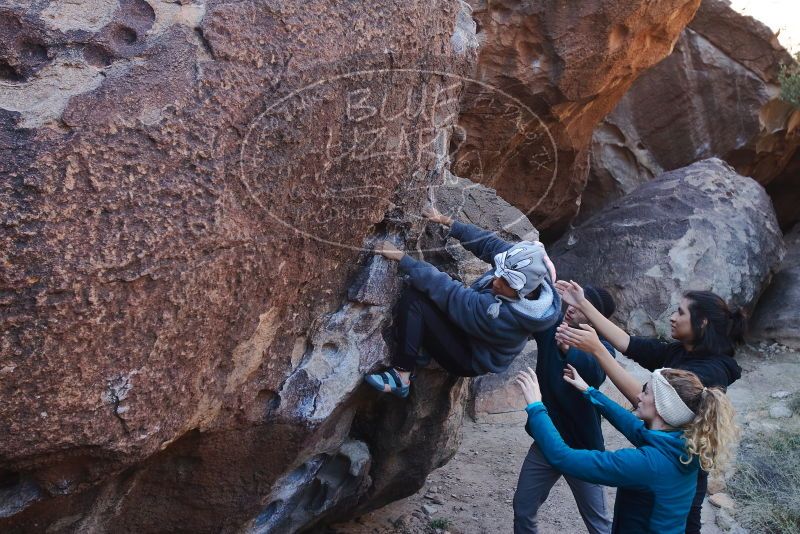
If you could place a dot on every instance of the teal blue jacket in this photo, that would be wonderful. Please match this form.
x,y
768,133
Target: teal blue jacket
x,y
655,488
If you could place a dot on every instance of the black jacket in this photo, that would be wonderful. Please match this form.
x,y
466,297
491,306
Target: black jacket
x,y
718,370
574,416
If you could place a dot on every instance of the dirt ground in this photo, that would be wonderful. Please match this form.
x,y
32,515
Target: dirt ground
x,y
473,493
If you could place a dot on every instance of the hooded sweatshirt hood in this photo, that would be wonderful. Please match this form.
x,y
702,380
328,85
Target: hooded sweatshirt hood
x,y
522,266
733,369
672,445
532,313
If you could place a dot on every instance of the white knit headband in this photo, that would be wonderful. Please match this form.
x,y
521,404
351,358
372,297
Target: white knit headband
x,y
669,404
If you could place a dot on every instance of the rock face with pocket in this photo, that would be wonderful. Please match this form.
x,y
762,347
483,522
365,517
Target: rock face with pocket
x,y
186,308
715,95
187,188
698,227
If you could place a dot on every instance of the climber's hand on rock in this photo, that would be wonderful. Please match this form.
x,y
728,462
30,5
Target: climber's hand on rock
x,y
389,251
433,215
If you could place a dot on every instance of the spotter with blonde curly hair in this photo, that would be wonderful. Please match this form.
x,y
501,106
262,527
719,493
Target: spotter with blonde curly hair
x,y
677,426
705,331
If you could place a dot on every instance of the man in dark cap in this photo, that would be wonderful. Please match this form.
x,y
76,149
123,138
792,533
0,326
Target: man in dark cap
x,y
576,419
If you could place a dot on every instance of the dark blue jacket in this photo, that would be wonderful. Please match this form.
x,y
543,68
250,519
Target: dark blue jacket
x,y
573,415
495,342
656,488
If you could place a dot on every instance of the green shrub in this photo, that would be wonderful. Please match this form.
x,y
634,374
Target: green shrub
x,y
439,524
766,485
789,78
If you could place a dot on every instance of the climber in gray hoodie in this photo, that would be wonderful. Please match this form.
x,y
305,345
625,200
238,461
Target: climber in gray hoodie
x,y
472,330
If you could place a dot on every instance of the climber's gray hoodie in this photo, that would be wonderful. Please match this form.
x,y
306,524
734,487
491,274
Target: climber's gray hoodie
x,y
495,341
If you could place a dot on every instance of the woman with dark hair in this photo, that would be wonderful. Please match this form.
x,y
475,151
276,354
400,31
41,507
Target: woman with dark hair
x,y
706,332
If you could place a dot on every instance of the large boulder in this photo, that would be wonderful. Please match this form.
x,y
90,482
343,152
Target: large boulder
x,y
496,397
700,227
716,95
550,71
778,312
186,306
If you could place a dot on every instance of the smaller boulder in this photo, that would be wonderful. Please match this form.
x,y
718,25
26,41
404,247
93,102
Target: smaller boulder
x,y
699,227
716,484
496,398
722,500
780,410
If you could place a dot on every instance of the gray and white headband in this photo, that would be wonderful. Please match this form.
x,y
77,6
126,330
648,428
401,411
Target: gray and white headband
x,y
669,404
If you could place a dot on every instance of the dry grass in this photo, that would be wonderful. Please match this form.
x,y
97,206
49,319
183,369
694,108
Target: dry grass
x,y
766,485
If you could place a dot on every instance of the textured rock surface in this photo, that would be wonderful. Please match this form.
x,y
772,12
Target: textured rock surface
x,y
180,234
566,66
478,205
715,95
496,398
699,227
778,313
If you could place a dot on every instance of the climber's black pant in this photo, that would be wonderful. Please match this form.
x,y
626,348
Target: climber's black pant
x,y
693,522
419,323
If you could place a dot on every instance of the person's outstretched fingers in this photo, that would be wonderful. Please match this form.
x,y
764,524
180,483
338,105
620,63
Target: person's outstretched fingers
x,y
529,379
528,374
570,333
575,331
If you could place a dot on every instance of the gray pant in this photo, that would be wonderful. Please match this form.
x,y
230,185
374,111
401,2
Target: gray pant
x,y
537,477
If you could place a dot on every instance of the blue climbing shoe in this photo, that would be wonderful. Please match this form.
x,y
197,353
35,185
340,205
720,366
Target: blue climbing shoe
x,y
390,378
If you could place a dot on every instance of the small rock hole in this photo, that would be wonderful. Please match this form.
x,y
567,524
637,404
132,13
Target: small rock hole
x,y
9,73
97,56
124,35
9,479
33,51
